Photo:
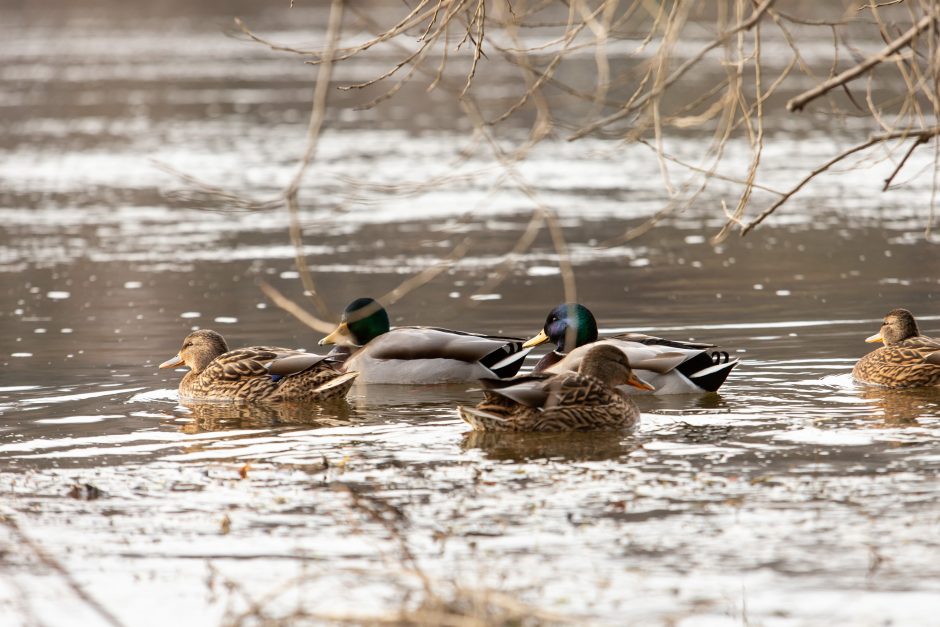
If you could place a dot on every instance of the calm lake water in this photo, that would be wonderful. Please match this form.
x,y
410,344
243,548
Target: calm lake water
x,y
792,497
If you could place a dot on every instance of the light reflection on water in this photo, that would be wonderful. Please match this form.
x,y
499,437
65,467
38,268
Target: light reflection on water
x,y
792,479
793,494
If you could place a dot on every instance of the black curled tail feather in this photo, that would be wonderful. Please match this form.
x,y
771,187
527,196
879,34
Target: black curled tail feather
x,y
505,361
708,371
720,357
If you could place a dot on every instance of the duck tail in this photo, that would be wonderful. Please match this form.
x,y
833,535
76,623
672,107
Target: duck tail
x,y
505,361
708,371
338,386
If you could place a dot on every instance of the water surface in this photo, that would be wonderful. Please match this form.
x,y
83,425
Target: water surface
x,y
794,496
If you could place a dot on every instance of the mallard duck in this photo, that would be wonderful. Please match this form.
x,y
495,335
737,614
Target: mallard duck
x,y
907,359
256,373
411,355
569,401
673,367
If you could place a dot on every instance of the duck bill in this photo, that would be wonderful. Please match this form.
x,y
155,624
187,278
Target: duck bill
x,y
639,383
173,362
872,339
541,338
340,337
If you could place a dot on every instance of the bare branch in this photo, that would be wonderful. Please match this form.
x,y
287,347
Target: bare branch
x,y
678,73
798,102
295,310
923,139
425,276
875,139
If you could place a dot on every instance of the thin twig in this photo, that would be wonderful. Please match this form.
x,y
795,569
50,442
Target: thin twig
x,y
923,139
53,564
875,139
757,144
798,102
425,276
678,73
295,310
317,115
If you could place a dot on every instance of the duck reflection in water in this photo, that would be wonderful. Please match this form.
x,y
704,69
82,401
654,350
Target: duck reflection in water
x,y
238,415
572,446
902,407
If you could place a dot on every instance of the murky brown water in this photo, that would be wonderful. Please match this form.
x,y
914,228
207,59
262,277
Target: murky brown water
x,y
792,497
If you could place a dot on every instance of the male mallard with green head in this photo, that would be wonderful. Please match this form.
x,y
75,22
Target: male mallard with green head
x,y
256,373
569,401
410,355
907,359
671,366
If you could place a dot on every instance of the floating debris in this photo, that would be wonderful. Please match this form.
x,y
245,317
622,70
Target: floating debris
x,y
85,492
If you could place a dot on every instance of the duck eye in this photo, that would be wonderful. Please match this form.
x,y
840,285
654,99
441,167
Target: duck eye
x,y
187,344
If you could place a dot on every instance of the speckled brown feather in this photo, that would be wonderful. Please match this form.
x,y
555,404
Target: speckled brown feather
x,y
569,401
242,375
573,402
905,364
907,359
257,373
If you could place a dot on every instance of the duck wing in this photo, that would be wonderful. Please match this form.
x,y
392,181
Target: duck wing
x,y
642,357
670,369
913,362
292,364
652,340
501,355
572,389
922,345
529,390
240,363
257,361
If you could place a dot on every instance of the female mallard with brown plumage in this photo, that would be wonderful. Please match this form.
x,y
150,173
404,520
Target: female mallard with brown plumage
x,y
256,373
907,359
417,355
570,401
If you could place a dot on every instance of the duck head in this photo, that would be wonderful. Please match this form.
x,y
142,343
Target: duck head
x,y
568,326
898,325
363,320
198,351
611,365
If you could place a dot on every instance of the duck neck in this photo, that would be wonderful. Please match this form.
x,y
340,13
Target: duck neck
x,y
186,383
200,362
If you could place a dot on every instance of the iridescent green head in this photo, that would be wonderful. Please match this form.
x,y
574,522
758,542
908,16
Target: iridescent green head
x,y
568,326
363,320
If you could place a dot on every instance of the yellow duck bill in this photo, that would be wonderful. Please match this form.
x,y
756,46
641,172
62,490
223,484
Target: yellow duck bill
x,y
541,338
340,337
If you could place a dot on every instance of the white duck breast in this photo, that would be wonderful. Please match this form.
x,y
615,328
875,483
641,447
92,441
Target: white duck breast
x,y
671,368
429,355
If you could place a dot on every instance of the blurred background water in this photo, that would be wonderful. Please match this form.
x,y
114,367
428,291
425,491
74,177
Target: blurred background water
x,y
794,496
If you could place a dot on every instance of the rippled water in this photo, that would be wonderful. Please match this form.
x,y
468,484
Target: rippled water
x,y
795,496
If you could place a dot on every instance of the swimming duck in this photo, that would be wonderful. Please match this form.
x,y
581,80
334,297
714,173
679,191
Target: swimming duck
x,y
569,401
409,355
672,367
907,359
256,373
